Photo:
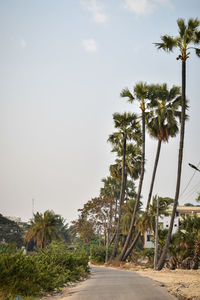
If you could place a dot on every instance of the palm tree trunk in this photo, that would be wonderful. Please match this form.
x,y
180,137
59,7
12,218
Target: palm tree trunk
x,y
112,238
121,201
123,254
130,249
149,197
154,173
156,236
180,158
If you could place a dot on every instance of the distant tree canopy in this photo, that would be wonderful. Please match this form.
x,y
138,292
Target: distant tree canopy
x,y
10,232
45,228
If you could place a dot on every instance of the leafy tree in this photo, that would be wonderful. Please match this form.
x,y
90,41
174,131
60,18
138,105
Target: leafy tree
x,y
10,232
111,189
84,228
189,34
44,228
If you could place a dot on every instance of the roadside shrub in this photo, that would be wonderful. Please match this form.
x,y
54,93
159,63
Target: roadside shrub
x,y
98,253
18,272
43,271
148,253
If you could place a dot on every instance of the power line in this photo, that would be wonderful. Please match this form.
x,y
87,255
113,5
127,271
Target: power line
x,y
189,181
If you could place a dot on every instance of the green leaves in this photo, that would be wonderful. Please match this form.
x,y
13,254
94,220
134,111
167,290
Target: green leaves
x,y
188,33
161,120
168,43
126,93
44,271
45,228
197,50
182,27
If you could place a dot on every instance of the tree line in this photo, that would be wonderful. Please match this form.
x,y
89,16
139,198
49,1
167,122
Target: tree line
x,y
116,212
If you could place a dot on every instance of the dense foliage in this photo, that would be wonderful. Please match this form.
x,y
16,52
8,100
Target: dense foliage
x,y
98,253
42,271
10,232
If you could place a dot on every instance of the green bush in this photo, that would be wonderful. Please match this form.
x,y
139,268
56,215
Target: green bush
x,y
98,253
43,271
149,253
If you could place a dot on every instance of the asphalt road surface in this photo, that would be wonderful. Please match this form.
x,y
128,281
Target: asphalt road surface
x,y
114,284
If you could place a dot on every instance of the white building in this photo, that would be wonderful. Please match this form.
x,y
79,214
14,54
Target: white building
x,y
164,222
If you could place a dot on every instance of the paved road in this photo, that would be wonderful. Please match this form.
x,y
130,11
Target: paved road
x,y
114,284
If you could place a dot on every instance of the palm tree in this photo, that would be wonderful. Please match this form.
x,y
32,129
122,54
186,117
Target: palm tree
x,y
128,129
188,34
186,242
128,209
44,228
161,120
141,94
147,221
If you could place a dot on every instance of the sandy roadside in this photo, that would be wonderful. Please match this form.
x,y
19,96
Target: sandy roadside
x,y
184,284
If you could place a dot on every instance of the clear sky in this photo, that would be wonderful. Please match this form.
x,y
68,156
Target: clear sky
x,y
63,64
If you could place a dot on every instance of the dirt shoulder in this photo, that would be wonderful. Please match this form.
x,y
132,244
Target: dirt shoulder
x,y
184,284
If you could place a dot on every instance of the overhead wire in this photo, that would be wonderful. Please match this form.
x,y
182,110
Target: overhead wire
x,y
187,185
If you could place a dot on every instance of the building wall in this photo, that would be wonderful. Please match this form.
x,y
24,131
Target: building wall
x,y
164,222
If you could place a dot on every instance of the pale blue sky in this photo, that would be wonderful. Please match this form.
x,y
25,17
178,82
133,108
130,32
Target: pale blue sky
x,y
63,65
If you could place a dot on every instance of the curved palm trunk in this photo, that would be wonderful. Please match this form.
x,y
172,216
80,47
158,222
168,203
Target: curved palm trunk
x,y
130,249
124,252
154,173
180,158
121,201
112,238
149,197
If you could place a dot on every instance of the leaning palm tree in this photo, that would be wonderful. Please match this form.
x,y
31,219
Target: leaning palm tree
x,y
128,128
161,121
44,228
188,38
141,94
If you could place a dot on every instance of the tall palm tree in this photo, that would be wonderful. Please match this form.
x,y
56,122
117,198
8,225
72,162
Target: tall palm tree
x,y
128,128
189,34
141,94
44,228
161,120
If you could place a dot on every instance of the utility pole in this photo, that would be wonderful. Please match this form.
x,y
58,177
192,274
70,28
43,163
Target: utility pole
x,y
107,243
156,236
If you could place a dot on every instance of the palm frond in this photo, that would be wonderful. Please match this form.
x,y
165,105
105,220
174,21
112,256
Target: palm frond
x,y
193,24
126,93
197,50
182,27
167,44
141,90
